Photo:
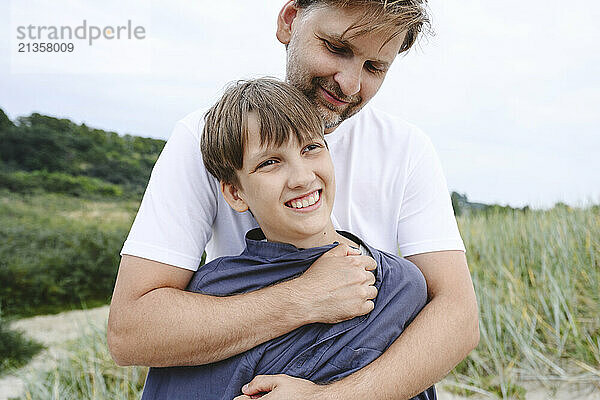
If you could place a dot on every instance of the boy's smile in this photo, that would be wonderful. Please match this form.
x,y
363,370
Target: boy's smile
x,y
305,202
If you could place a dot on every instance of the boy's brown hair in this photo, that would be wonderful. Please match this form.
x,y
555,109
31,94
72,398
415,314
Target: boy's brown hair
x,y
281,110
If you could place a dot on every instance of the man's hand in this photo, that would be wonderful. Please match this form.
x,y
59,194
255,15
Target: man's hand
x,y
338,286
282,387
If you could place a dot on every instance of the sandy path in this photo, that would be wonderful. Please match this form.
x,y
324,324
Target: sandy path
x,y
54,330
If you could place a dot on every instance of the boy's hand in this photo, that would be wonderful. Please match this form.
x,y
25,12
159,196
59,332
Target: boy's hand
x,y
338,286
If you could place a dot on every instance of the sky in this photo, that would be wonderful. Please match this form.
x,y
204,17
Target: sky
x,y
508,92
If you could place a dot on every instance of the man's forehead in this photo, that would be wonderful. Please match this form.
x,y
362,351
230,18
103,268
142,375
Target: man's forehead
x,y
352,25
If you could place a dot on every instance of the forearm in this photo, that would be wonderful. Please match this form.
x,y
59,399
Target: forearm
x,y
441,335
168,326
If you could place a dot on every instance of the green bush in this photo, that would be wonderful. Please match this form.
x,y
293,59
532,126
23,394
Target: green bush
x,y
15,349
57,182
51,259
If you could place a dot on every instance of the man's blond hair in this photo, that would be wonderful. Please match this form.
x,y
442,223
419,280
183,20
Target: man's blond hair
x,y
391,16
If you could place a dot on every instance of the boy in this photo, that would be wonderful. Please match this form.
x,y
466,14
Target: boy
x,y
264,142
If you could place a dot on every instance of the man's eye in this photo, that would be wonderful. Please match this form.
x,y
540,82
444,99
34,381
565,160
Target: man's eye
x,y
372,68
333,48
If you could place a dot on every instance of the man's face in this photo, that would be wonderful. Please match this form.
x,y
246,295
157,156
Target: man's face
x,y
290,189
337,73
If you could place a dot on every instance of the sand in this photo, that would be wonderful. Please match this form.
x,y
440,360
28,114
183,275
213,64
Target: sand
x,y
54,330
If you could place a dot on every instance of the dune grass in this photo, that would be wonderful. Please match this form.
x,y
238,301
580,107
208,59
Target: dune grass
x,y
88,372
537,279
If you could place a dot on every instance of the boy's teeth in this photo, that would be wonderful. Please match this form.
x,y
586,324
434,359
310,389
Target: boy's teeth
x,y
308,201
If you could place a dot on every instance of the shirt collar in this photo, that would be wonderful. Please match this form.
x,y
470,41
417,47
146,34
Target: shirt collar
x,y
258,246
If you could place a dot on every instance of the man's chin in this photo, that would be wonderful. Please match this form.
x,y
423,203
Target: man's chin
x,y
331,119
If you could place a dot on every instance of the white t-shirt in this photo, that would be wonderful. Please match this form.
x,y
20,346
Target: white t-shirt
x,y
390,192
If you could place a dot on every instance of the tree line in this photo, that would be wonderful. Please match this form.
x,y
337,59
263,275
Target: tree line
x,y
57,155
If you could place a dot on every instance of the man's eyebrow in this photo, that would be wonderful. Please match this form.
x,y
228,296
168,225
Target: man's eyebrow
x,y
344,42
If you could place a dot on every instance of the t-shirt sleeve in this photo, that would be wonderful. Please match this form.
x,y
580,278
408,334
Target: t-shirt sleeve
x,y
426,220
174,221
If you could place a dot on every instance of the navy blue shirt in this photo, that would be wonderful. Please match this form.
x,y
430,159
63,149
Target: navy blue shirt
x,y
318,352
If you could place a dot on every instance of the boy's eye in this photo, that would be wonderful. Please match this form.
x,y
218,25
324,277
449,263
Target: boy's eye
x,y
266,163
311,147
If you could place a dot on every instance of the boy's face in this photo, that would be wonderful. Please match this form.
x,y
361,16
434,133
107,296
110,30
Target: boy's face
x,y
338,73
290,189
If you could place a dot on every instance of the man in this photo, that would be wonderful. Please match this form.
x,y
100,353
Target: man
x,y
285,177
390,188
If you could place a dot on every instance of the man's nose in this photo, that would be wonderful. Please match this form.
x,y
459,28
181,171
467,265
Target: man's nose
x,y
348,77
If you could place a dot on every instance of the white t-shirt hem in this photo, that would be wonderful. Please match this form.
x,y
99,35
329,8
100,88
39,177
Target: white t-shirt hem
x,y
429,246
159,254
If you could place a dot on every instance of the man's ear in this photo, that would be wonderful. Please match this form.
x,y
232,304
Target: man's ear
x,y
284,21
232,197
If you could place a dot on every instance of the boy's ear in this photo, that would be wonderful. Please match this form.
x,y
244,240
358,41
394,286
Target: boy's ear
x,y
284,21
232,197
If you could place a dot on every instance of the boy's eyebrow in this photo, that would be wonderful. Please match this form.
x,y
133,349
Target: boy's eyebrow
x,y
340,40
253,158
272,149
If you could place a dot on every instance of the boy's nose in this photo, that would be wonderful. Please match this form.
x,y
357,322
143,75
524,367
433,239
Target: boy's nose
x,y
300,176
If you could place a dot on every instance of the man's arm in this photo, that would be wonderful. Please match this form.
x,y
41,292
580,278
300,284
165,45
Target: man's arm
x,y
154,322
441,335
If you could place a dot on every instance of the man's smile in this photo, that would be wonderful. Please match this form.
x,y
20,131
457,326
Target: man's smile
x,y
330,97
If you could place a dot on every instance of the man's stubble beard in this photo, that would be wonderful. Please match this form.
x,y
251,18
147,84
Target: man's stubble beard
x,y
332,116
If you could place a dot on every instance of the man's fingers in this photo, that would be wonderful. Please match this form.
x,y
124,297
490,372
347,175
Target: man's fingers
x,y
260,384
368,306
370,278
342,250
367,262
372,292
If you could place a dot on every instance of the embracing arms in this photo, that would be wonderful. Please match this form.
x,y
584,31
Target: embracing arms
x,y
443,333
154,322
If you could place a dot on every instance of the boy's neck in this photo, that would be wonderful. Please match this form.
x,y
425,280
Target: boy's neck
x,y
328,236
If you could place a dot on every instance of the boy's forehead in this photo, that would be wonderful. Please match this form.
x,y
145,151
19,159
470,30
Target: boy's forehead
x,y
254,144
256,141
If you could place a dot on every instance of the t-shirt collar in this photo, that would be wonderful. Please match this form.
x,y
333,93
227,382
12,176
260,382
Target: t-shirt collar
x,y
258,246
